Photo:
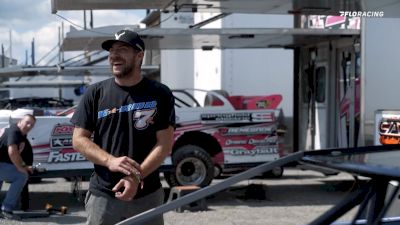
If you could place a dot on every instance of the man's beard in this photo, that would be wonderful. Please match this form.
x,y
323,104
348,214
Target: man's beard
x,y
125,71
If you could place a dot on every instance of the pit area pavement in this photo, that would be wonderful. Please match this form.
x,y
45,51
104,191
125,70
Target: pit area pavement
x,y
296,198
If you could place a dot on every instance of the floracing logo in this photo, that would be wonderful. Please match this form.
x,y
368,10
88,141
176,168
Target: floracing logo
x,y
362,13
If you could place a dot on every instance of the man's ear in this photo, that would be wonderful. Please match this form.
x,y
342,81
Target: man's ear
x,y
141,54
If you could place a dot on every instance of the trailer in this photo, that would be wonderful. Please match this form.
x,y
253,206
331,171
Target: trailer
x,y
343,83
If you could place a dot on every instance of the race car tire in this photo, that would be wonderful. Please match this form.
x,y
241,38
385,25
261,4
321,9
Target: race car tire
x,y
276,172
192,166
217,171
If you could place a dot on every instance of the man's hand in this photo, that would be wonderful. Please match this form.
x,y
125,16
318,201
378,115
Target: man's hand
x,y
129,185
29,169
23,170
83,143
124,165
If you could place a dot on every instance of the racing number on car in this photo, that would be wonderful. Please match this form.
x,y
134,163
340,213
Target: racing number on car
x,y
143,118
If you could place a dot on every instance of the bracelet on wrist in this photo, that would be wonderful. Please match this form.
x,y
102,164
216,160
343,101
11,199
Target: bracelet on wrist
x,y
138,178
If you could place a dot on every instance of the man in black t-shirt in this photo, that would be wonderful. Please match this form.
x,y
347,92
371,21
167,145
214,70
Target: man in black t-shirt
x,y
131,119
12,167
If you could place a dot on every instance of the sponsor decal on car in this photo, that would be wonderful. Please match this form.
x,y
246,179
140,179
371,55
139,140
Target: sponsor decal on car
x,y
237,117
244,140
389,130
55,157
61,149
254,152
227,131
62,142
61,136
264,141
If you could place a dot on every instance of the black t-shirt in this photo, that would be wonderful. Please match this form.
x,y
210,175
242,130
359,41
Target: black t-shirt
x,y
11,135
124,121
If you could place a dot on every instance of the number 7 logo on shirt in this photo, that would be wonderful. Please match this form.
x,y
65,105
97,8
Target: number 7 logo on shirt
x,y
143,118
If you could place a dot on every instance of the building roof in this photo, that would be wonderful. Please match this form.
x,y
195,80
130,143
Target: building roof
x,y
208,39
96,70
390,7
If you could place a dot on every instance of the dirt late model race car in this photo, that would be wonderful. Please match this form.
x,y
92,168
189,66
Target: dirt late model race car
x,y
215,133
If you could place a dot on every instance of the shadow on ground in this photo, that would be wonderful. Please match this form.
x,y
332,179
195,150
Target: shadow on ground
x,y
258,195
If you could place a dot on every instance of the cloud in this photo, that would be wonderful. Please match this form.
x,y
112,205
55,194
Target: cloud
x,y
48,42
120,17
24,14
28,19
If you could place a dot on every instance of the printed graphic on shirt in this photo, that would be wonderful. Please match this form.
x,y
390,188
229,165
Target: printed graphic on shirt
x,y
143,113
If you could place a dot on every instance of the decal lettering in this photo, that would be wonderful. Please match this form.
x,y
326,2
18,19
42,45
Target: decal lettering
x,y
262,117
238,117
61,137
390,127
235,142
61,142
55,157
247,130
389,131
267,140
258,151
226,117
127,108
63,129
252,141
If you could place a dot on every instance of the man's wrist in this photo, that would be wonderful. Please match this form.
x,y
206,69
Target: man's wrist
x,y
138,177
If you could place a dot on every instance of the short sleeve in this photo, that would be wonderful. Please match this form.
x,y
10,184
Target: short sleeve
x,y
14,137
84,115
166,113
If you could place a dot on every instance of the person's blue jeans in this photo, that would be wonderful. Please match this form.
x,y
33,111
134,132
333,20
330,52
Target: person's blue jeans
x,y
17,180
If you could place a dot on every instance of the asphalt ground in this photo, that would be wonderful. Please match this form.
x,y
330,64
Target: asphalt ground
x,y
296,198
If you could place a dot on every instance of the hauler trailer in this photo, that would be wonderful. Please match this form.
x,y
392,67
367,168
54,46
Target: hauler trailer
x,y
344,83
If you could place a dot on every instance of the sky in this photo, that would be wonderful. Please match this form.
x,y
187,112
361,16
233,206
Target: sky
x,y
32,19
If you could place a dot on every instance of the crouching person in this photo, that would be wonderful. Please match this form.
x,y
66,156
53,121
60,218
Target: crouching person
x,y
12,168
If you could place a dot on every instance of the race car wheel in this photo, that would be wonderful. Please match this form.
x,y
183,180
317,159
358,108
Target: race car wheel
x,y
217,171
276,172
192,166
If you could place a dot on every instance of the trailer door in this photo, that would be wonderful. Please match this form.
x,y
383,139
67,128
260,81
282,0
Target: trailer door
x,y
348,95
314,98
329,93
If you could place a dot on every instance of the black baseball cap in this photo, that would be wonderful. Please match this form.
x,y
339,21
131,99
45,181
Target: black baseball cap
x,y
127,36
